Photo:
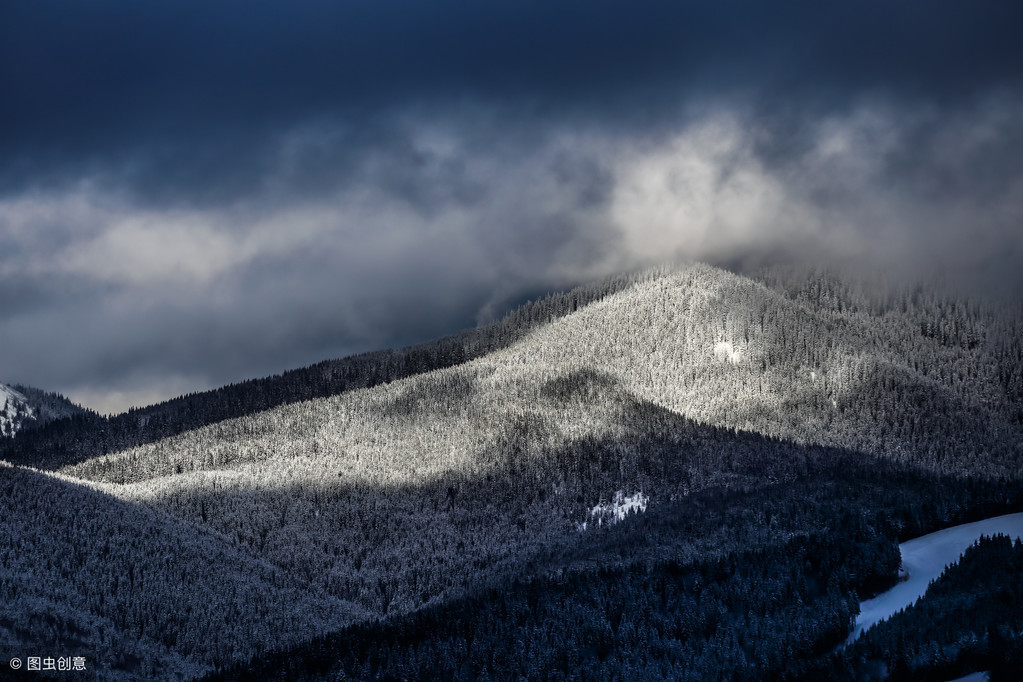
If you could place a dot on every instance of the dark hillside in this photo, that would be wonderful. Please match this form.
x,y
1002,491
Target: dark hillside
x,y
772,590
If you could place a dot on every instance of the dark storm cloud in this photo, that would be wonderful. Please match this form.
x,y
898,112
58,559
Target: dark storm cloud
x,y
205,192
184,100
163,300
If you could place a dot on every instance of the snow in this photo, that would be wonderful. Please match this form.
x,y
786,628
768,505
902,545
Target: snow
x,y
972,677
924,559
6,392
616,510
14,409
724,351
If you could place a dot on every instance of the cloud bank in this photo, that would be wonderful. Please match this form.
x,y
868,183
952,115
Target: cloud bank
x,y
191,195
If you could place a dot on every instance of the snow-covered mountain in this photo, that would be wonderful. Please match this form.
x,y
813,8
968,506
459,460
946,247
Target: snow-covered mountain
x,y
680,416
14,411
24,407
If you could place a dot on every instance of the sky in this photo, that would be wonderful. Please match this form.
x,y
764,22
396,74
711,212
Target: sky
x,y
196,193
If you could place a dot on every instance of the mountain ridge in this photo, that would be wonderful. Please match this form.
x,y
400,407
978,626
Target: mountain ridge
x,y
858,363
14,412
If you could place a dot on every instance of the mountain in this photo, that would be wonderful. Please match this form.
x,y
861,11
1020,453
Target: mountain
x,y
812,365
79,436
770,436
24,407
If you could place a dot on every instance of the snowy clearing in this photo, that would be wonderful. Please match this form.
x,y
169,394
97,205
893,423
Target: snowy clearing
x,y
924,558
616,510
725,352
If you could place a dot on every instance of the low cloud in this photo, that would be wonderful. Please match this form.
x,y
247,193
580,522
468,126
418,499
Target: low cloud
x,y
118,300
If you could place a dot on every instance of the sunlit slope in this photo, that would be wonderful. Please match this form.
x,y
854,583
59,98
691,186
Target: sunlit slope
x,y
730,351
139,594
64,442
721,349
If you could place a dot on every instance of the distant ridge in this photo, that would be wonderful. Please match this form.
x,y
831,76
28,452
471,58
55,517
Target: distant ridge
x,y
14,411
24,407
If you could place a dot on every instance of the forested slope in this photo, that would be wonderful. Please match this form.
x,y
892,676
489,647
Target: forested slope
x,y
137,593
767,598
684,415
721,349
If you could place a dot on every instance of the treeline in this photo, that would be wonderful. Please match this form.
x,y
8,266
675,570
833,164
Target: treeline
x,y
908,373
73,436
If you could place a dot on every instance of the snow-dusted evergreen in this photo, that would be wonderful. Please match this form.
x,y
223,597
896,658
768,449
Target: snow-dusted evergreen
x,y
617,509
147,595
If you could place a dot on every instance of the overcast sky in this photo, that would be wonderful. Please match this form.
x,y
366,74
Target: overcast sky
x,y
194,193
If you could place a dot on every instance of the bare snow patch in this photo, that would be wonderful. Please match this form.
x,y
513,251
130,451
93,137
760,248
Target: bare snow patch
x,y
616,510
725,352
924,559
973,677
